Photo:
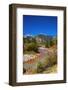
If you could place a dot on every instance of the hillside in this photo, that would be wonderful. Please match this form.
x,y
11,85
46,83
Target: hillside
x,y
39,38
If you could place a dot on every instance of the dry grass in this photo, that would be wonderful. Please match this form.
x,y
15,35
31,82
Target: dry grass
x,y
52,69
45,65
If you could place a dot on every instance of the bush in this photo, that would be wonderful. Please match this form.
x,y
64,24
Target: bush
x,y
32,47
50,43
34,71
40,67
51,59
24,70
47,44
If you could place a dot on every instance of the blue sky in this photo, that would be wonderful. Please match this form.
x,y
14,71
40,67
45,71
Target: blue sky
x,y
33,25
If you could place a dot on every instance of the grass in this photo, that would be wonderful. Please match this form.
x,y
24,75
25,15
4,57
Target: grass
x,y
52,69
48,64
29,52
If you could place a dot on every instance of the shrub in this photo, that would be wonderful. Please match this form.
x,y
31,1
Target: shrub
x,y
50,43
32,47
24,70
51,59
34,71
47,44
40,67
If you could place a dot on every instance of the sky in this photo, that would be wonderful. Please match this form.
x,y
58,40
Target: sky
x,y
34,25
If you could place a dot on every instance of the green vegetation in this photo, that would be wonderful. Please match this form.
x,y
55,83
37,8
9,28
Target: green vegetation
x,y
50,61
47,64
52,69
51,43
24,70
40,67
30,45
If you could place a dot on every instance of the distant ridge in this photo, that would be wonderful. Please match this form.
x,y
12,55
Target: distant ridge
x,y
40,37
